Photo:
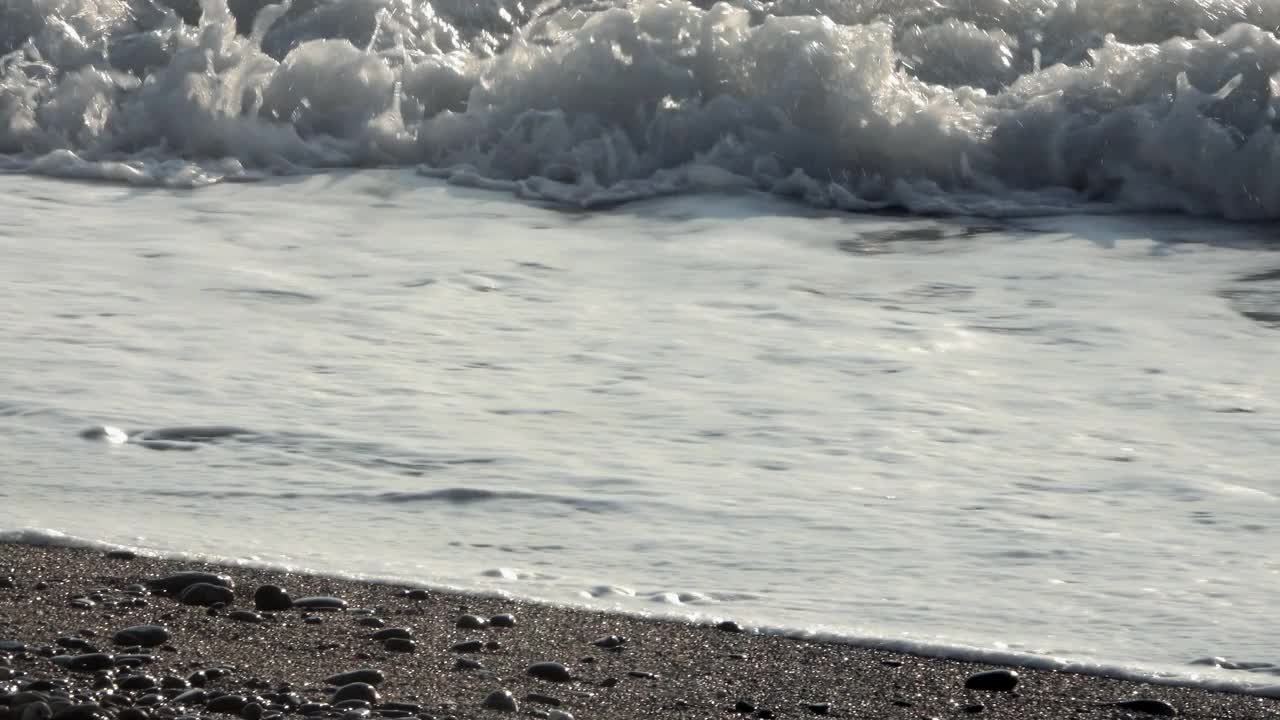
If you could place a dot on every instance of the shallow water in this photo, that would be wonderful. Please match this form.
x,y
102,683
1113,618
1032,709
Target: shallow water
x,y
1049,436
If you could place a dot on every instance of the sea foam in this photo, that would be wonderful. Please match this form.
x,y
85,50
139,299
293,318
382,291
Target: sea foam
x,y
990,107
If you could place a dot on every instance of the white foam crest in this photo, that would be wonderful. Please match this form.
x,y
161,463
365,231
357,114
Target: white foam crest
x,y
1237,682
994,107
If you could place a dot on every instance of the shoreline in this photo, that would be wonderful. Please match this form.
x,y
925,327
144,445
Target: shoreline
x,y
665,668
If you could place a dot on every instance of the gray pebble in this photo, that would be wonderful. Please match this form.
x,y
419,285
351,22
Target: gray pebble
x,y
399,644
501,700
387,633
467,664
468,646
85,711
320,603
252,711
271,598
543,699
559,715
121,554
993,680
142,635
177,582
729,626
206,594
90,662
356,691
610,641
505,620
38,710
363,675
229,704
472,622
416,594
1151,707
372,622
550,671
248,616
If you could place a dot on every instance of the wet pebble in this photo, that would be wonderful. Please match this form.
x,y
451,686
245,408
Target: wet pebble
x,y
175,583
136,682
121,554
38,710
610,642
84,711
372,622
369,676
142,636
501,700
90,662
356,691
6,582
400,645
559,715
252,711
549,671
388,633
248,616
271,598
467,664
543,699
416,594
818,708
729,626
229,704
206,594
471,622
993,680
505,620
73,643
744,706
1146,705
81,604
133,714
468,646
320,603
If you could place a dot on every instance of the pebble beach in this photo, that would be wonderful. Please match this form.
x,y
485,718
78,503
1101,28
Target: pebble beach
x,y
93,635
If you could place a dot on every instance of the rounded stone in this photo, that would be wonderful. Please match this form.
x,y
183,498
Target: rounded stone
x,y
133,714
729,626
468,646
505,620
252,711
559,715
206,594
387,633
610,642
993,681
320,603
550,671
369,676
175,583
356,691
1148,706
501,700
248,616
121,554
371,622
271,598
142,636
136,682
416,594
229,704
472,622
400,645
85,711
91,662
467,664
38,710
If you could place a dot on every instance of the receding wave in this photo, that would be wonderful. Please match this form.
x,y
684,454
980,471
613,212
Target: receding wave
x,y
992,107
447,495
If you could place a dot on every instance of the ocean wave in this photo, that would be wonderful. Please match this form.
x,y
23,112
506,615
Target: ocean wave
x,y
990,107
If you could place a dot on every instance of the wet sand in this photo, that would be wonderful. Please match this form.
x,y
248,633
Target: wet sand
x,y
662,670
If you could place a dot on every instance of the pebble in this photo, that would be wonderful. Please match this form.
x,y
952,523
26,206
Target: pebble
x,y
993,680
362,675
388,633
38,710
467,664
356,691
195,696
559,715
729,626
312,620
1146,705
550,671
416,594
743,706
505,620
248,616
372,622
642,675
320,603
90,662
230,704
544,699
177,582
252,711
136,682
819,708
142,635
399,644
609,642
271,598
501,700
85,711
133,714
121,554
206,594
6,582
82,604
73,643
472,622
468,646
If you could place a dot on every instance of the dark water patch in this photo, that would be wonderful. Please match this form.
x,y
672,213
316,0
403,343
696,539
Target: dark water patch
x,y
421,282
457,496
1256,296
268,295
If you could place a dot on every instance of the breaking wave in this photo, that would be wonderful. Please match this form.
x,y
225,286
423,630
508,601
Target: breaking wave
x,y
986,107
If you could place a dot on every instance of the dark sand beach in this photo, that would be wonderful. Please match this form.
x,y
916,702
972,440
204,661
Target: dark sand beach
x,y
60,602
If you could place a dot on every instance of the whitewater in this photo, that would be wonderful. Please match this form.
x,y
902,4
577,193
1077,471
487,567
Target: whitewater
x,y
946,327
